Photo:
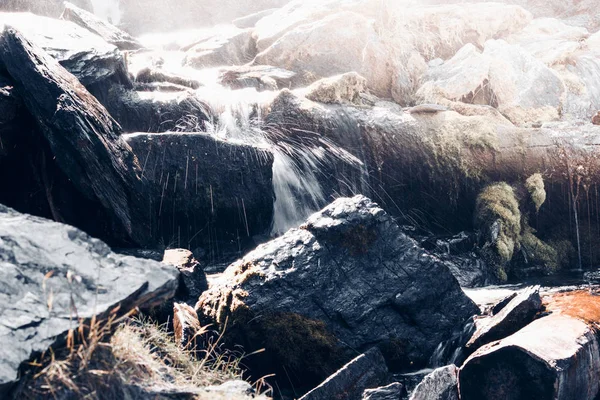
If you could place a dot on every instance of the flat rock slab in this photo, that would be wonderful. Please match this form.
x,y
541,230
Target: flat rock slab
x,y
519,312
364,372
53,275
555,357
86,55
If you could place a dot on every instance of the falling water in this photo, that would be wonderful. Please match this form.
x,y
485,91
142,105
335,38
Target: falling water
x,y
108,10
238,114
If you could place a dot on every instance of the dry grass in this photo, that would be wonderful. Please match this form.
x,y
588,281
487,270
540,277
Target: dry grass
x,y
118,359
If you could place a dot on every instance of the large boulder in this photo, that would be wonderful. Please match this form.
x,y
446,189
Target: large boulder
x,y
364,372
345,280
203,191
111,34
56,277
556,357
86,55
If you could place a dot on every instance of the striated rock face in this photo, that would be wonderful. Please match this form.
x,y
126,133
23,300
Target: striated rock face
x,y
441,384
366,371
519,312
201,189
106,31
556,357
54,276
347,279
82,53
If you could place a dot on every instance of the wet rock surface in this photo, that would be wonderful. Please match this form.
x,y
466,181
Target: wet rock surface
x,y
346,268
53,275
366,371
203,191
393,391
82,53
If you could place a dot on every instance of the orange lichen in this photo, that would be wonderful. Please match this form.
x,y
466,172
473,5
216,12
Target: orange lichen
x,y
579,304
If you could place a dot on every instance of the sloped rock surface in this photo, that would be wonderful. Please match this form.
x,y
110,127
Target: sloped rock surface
x,y
84,54
111,34
555,357
366,371
53,275
393,391
224,47
347,279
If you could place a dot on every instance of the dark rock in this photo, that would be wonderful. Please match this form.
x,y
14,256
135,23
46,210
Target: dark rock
x,y
502,303
193,279
111,34
441,384
185,325
53,276
82,53
596,119
82,137
141,253
555,357
469,269
203,191
260,77
393,391
519,312
149,75
366,371
347,279
138,111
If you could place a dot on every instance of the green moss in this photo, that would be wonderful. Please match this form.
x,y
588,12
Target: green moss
x,y
538,252
536,189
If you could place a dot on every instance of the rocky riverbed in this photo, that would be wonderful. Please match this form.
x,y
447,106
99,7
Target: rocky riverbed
x,y
310,200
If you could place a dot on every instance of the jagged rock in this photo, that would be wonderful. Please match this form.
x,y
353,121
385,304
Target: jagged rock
x,y
82,137
441,384
596,119
54,276
346,268
185,324
110,33
224,47
192,276
195,183
10,105
469,270
393,391
155,111
345,88
82,53
519,312
411,380
366,371
260,77
555,357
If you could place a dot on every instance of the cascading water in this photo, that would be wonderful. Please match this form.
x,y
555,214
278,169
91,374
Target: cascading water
x,y
238,115
108,10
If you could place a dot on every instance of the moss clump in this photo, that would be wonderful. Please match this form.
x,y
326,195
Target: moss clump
x,y
536,189
539,253
497,215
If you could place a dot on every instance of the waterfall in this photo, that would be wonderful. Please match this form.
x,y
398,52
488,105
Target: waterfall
x,y
108,10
